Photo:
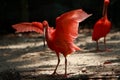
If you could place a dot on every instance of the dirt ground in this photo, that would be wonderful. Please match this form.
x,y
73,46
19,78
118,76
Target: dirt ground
x,y
25,54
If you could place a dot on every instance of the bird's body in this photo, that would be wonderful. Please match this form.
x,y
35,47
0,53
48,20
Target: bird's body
x,y
59,42
61,39
102,26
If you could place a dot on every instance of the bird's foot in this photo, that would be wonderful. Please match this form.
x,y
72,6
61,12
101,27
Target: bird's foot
x,y
64,75
98,50
54,74
107,50
60,75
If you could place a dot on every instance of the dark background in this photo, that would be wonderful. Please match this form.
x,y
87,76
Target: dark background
x,y
15,11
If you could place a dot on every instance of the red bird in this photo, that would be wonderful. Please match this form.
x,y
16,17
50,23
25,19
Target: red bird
x,y
30,27
61,39
102,27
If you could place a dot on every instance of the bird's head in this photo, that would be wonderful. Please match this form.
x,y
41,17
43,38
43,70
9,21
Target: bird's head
x,y
45,23
45,26
106,2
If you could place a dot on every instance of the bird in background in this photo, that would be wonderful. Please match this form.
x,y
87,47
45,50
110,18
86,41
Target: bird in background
x,y
30,27
61,39
102,27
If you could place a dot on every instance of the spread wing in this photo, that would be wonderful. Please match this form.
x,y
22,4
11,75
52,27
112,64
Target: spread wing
x,y
67,24
28,27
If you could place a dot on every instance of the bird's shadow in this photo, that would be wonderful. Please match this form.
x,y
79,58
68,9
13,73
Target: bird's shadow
x,y
58,77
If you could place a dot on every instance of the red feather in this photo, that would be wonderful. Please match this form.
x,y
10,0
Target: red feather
x,y
67,24
101,28
27,26
61,39
67,29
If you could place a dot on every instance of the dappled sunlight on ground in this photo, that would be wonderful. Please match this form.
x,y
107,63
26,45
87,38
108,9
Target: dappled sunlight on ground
x,y
27,55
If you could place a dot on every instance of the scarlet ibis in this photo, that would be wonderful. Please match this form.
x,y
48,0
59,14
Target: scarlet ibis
x,y
102,27
61,39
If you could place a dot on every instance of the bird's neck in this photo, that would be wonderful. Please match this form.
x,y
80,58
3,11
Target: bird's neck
x,y
48,33
105,8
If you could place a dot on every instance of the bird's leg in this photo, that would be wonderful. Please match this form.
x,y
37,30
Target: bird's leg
x,y
106,49
65,67
105,43
43,41
97,47
44,37
54,73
